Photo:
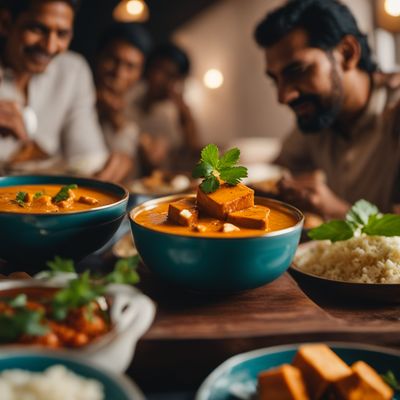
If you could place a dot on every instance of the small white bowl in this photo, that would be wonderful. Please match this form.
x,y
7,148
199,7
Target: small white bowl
x,y
131,315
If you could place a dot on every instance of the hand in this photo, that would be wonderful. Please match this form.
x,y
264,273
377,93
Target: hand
x,y
309,192
392,80
111,107
154,150
11,121
117,168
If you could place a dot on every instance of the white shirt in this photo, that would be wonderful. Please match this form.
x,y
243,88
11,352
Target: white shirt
x,y
63,99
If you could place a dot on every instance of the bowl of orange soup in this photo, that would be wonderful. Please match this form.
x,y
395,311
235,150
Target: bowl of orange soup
x,y
45,216
214,254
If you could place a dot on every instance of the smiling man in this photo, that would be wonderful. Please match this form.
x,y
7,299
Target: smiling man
x,y
348,118
47,98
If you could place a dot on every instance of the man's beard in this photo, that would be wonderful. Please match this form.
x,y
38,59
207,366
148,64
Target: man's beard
x,y
326,109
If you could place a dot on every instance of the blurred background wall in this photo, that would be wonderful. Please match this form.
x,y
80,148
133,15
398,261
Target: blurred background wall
x,y
218,34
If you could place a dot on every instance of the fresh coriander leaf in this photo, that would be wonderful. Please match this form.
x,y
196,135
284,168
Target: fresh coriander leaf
x,y
63,194
229,159
391,380
385,225
360,212
20,198
38,195
210,155
210,184
333,231
18,301
61,265
202,170
233,175
79,292
22,322
124,271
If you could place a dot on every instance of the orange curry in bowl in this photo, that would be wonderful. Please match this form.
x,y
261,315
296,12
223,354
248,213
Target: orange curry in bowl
x,y
30,316
229,212
48,198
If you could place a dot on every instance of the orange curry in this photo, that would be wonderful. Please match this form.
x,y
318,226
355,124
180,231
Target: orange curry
x,y
228,212
52,198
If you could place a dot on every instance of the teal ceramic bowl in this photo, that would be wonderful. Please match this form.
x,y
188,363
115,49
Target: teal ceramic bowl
x,y
217,264
236,378
115,387
29,240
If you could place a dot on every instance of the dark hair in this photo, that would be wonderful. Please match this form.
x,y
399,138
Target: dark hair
x,y
17,7
170,51
325,21
134,34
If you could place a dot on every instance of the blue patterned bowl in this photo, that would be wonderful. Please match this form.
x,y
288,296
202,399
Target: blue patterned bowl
x,y
236,378
217,264
29,240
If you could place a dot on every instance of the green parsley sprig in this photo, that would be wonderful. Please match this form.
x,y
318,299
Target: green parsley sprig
x,y
363,217
212,168
63,193
20,198
391,380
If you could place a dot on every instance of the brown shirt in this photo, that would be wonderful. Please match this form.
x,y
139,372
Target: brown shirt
x,y
363,163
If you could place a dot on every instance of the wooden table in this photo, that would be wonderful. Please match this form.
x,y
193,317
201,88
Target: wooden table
x,y
193,333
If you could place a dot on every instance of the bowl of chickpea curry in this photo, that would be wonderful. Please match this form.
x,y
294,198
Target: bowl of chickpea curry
x,y
91,316
221,239
45,216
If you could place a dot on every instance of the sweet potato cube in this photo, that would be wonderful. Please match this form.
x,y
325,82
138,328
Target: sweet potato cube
x,y
225,200
253,218
363,384
283,383
183,212
320,367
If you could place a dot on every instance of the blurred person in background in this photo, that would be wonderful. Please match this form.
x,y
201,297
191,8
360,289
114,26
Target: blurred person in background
x,y
168,130
119,65
47,96
347,145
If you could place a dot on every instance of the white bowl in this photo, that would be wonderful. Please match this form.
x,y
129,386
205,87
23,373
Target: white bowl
x,y
131,315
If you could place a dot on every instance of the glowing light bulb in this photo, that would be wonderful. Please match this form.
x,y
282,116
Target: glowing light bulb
x,y
392,7
213,78
135,7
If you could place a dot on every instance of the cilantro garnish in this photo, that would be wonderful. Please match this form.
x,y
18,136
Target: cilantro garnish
x,y
391,380
61,265
212,168
124,271
38,195
363,217
63,194
20,198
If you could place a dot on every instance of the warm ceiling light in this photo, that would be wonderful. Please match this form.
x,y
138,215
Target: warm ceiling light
x,y
392,7
135,7
213,78
131,11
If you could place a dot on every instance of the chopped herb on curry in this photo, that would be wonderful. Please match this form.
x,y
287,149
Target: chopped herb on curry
x,y
214,168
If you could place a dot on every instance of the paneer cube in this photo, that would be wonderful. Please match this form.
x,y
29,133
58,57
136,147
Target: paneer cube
x,y
253,218
363,384
283,383
208,225
228,228
183,212
88,200
225,200
320,367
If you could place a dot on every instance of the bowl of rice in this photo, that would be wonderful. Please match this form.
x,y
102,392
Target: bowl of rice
x,y
43,376
362,267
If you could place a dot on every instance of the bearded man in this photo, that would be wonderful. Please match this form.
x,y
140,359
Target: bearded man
x,y
347,146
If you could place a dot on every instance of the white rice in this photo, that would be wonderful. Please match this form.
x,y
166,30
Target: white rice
x,y
363,259
56,383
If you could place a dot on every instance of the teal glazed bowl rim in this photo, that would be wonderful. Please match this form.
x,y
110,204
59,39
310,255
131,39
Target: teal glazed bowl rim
x,y
117,384
120,191
205,389
280,205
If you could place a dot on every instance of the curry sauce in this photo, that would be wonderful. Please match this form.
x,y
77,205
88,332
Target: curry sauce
x,y
41,199
156,218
